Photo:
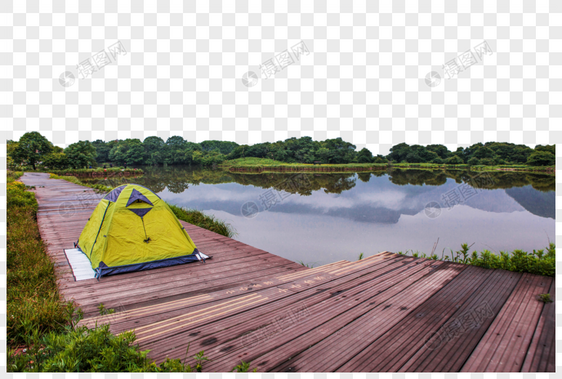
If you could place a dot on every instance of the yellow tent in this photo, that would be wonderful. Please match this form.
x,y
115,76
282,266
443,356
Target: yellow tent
x,y
132,229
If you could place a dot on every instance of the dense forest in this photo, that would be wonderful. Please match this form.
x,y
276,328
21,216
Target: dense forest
x,y
33,149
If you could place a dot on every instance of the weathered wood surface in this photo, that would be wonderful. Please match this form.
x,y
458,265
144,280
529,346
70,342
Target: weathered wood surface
x,y
384,313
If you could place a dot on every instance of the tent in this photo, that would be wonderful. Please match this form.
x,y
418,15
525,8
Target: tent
x,y
133,229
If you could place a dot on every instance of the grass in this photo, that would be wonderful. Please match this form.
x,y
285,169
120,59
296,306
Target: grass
x,y
309,265
243,367
33,300
538,262
544,297
90,171
264,163
270,165
192,216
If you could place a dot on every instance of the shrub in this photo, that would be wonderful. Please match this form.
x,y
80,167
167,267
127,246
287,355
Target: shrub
x,y
541,158
538,262
473,161
487,162
455,159
33,300
91,350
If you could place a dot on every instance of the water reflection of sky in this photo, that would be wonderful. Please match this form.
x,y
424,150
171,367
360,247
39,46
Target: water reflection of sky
x,y
377,216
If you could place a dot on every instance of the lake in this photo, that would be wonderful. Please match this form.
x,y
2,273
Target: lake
x,y
322,218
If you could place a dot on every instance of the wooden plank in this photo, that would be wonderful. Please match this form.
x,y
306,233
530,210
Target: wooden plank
x,y
177,292
351,333
505,344
406,337
190,273
541,353
313,275
355,301
447,349
233,333
126,319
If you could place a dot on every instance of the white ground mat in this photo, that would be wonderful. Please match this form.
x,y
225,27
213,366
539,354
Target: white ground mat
x,y
80,264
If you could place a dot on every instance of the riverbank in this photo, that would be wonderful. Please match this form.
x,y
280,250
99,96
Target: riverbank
x,y
262,165
538,262
95,172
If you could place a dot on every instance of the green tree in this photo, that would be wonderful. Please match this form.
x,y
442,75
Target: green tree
x,y
541,158
176,150
323,154
259,150
56,160
484,152
399,152
81,154
454,159
487,161
154,150
440,150
128,152
380,159
102,149
548,148
224,147
341,151
238,152
10,148
365,156
31,149
473,161
135,153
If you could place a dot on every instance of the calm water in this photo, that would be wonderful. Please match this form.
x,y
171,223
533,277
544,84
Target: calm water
x,y
323,218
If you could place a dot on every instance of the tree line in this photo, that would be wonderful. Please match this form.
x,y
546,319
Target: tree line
x,y
33,149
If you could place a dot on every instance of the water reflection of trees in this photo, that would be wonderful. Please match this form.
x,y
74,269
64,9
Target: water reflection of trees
x,y
494,180
178,179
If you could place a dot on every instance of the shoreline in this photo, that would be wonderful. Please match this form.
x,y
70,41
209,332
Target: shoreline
x,y
346,168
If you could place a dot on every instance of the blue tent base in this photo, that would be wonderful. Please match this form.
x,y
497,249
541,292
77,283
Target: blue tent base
x,y
104,270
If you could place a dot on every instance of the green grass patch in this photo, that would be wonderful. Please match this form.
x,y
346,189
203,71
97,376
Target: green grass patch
x,y
98,171
264,162
270,165
544,298
33,301
539,262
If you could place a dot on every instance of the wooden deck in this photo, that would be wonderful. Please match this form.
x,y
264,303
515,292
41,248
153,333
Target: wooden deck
x,y
385,313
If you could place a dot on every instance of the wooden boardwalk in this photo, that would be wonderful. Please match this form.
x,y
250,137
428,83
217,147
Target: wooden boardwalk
x,y
385,313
